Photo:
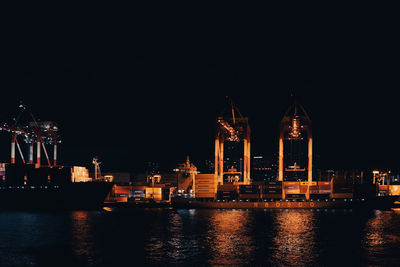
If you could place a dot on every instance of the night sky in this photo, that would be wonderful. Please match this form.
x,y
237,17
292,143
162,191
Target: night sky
x,y
140,84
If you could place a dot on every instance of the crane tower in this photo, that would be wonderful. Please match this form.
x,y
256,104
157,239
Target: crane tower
x,y
295,126
35,131
232,129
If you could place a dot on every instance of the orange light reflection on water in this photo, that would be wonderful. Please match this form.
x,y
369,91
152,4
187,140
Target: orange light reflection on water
x,y
295,238
228,238
380,234
82,243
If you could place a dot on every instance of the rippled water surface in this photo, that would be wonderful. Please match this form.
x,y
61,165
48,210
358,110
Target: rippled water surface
x,y
200,237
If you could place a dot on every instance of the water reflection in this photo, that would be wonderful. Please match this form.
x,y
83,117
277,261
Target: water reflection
x,y
294,237
159,246
382,237
200,237
82,239
175,241
228,237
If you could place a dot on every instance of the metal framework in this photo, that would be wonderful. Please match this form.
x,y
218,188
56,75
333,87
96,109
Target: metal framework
x,y
235,130
293,127
40,132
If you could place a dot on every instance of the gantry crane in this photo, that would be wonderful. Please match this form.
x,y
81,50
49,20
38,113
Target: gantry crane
x,y
234,129
40,132
293,125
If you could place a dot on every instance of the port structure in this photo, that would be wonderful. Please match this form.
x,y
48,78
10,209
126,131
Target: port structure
x,y
294,125
233,129
97,171
379,177
33,132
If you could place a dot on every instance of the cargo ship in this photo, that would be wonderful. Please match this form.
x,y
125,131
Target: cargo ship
x,y
382,203
261,195
295,195
24,186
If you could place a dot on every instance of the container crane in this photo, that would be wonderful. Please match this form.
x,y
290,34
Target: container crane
x,y
294,124
41,132
233,129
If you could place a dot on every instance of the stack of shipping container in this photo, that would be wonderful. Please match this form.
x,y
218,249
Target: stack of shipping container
x,y
249,192
271,190
227,192
28,175
342,190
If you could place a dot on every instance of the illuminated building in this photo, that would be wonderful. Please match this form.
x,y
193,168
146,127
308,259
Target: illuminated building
x,y
263,168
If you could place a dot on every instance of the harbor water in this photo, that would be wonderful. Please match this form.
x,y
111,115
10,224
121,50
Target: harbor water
x,y
190,237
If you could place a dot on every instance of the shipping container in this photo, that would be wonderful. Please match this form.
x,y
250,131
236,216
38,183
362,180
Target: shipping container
x,y
303,189
227,187
122,189
383,188
138,187
342,195
2,169
226,195
306,183
120,199
249,196
273,186
324,186
295,196
248,186
249,191
205,186
271,191
205,195
273,183
154,193
271,196
137,194
319,196
291,183
291,187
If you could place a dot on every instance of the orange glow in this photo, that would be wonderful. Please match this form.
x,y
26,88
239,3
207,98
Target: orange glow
x,y
83,244
295,131
394,190
374,236
153,193
294,237
228,232
309,159
280,175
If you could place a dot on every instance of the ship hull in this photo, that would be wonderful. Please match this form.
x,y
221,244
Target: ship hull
x,y
373,203
84,195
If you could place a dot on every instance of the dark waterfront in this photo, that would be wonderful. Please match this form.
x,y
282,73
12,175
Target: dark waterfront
x,y
200,237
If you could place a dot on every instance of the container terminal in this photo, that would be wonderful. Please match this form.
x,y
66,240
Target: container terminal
x,y
294,186
29,184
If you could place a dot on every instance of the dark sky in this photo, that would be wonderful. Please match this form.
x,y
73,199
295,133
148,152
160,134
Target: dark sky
x,y
136,84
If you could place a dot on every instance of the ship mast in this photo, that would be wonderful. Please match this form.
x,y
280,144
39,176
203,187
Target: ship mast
x,y
96,164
